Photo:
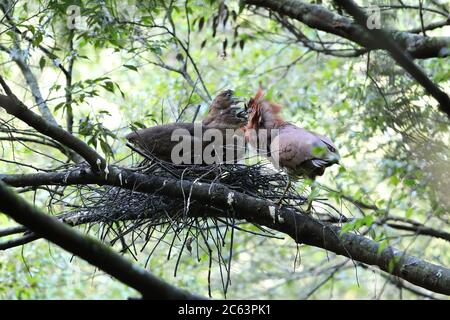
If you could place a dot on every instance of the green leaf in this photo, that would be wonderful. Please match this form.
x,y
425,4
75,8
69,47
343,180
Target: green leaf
x,y
319,151
409,213
59,106
42,63
394,180
37,39
241,6
382,246
31,28
109,85
131,67
120,90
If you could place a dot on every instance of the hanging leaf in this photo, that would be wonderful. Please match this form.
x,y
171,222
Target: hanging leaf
x,y
131,67
193,23
241,6
236,32
225,19
214,25
59,106
201,23
42,63
233,15
106,148
38,37
241,44
224,45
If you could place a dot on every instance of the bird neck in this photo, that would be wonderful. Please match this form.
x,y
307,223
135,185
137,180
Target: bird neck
x,y
271,120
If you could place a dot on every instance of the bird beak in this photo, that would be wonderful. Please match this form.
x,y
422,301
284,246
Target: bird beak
x,y
237,100
242,114
333,157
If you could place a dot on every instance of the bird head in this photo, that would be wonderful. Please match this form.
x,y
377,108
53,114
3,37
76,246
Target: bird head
x,y
224,100
225,112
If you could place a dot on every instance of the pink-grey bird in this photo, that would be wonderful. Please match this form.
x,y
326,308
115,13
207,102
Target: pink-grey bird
x,y
295,150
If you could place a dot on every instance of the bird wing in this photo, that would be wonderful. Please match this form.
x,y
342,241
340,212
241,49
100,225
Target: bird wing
x,y
158,139
157,133
292,146
296,151
330,145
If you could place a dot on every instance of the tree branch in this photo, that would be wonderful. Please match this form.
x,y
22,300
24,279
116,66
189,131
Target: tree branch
x,y
15,107
320,18
302,228
395,42
384,40
17,55
88,249
68,75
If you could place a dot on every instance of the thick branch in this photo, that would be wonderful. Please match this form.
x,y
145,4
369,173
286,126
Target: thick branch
x,y
302,228
320,18
88,249
390,43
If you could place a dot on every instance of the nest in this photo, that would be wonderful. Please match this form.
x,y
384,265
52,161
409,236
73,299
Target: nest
x,y
131,218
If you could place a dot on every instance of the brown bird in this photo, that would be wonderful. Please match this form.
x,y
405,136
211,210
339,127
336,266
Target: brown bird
x,y
223,114
297,151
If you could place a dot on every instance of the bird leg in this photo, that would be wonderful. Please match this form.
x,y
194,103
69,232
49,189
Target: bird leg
x,y
288,185
310,198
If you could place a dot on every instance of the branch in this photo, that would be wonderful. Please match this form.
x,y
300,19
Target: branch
x,y
431,26
423,230
17,56
68,75
16,108
320,18
386,41
302,228
48,143
88,249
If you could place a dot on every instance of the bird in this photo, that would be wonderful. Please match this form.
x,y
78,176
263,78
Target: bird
x,y
292,149
224,113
